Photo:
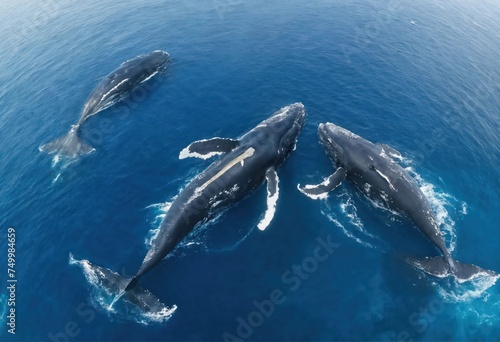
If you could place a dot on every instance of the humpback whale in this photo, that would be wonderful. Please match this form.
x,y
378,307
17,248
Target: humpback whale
x,y
111,89
245,164
373,170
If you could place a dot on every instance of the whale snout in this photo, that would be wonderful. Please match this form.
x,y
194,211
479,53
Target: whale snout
x,y
158,58
298,111
335,132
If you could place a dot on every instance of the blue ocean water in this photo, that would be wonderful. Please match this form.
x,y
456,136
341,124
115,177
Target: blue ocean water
x,y
420,76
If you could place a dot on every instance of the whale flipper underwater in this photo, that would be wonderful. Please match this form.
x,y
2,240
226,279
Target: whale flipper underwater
x,y
374,172
111,89
248,163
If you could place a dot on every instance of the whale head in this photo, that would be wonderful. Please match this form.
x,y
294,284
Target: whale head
x,y
338,141
157,60
284,127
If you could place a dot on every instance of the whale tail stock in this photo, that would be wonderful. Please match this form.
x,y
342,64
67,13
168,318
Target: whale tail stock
x,y
446,266
69,145
115,285
132,283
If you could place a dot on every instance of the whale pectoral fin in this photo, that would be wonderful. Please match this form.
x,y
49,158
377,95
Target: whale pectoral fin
x,y
272,198
391,151
209,148
320,191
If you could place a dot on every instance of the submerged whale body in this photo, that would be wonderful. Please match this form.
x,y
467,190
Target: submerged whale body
x,y
371,167
112,89
246,164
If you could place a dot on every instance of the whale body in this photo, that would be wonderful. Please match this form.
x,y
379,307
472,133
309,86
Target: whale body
x,y
111,89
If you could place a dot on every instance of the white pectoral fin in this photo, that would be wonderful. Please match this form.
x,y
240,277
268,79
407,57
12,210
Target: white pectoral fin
x,y
272,198
320,191
209,148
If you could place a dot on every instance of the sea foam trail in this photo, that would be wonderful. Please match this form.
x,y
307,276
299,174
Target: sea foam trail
x,y
442,205
59,165
355,229
105,301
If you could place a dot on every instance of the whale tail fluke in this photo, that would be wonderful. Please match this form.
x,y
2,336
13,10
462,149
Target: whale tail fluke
x,y
441,267
114,284
69,145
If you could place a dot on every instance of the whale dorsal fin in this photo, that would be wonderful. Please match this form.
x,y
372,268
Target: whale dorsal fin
x,y
272,198
320,191
391,151
208,148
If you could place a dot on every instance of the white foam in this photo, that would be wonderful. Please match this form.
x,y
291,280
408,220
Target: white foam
x,y
469,290
108,301
162,213
464,208
349,209
272,200
346,231
161,316
440,203
56,178
89,273
381,206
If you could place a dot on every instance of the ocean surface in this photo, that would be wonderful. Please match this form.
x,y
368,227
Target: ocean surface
x,y
421,76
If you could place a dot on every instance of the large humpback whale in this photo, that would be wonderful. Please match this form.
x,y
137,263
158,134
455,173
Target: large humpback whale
x,y
374,172
111,90
247,162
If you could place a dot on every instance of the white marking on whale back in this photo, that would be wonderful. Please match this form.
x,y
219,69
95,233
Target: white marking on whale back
x,y
113,89
386,179
151,76
272,200
247,154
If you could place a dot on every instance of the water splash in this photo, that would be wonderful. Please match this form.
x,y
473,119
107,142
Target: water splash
x,y
106,301
59,165
442,205
453,291
344,206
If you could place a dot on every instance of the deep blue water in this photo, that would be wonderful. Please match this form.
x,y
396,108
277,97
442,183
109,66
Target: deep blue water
x,y
422,77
